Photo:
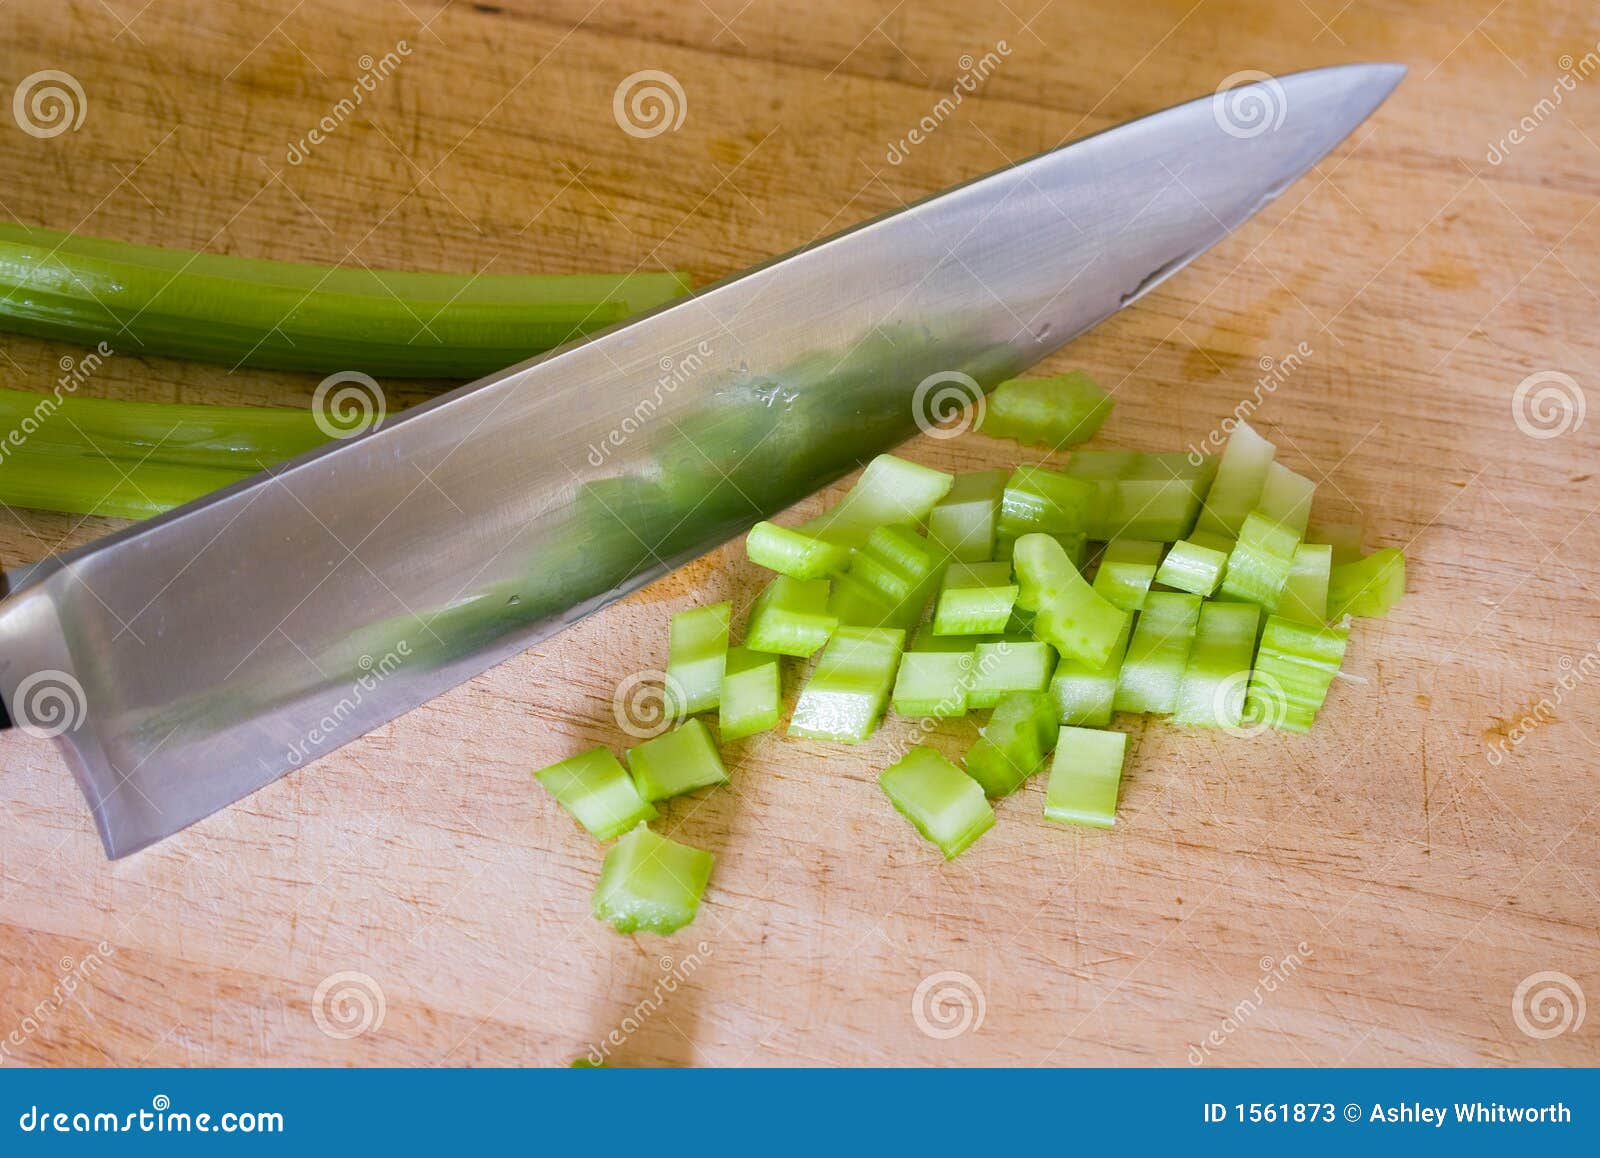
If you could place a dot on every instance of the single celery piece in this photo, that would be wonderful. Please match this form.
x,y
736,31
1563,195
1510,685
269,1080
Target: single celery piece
x,y
976,599
1158,653
945,804
1085,777
696,652
962,525
1196,565
1286,498
286,316
1212,693
1127,568
676,762
1294,668
595,788
1074,543
1069,614
1259,565
1236,489
1086,696
891,490
845,697
1305,595
1051,412
1367,587
1037,499
651,884
791,617
1157,496
752,694
934,682
794,553
1014,743
889,581
1012,663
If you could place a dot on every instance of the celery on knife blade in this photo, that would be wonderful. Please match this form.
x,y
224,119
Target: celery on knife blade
x,y
651,884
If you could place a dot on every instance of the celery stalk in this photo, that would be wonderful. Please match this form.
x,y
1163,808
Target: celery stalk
x,y
1070,615
1158,653
933,683
794,553
1048,412
889,581
945,805
1212,693
696,653
1236,489
49,481
1294,668
846,694
676,762
962,524
1085,777
594,788
1260,563
891,490
651,884
1086,696
976,599
1012,746
1127,568
752,694
790,617
1367,587
1196,565
1305,595
1010,664
1286,498
1037,499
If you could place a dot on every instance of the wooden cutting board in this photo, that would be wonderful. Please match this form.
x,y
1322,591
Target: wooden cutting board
x,y
1378,892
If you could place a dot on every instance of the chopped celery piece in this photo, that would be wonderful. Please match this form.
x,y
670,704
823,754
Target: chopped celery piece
x,y
695,655
1085,777
1369,586
1305,595
1127,568
1037,499
1013,745
1212,693
889,580
1102,465
676,762
1259,565
794,553
1009,664
856,603
976,599
595,788
933,683
1075,543
1344,538
1070,615
1294,668
845,696
1196,564
1084,695
1236,489
1286,498
890,490
945,804
1142,496
1049,412
1158,653
791,617
752,694
651,884
962,525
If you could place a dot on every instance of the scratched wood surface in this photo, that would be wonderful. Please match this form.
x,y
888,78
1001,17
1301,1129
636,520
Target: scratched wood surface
x,y
1376,893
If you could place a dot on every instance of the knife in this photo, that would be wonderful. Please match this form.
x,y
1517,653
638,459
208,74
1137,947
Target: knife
x,y
187,661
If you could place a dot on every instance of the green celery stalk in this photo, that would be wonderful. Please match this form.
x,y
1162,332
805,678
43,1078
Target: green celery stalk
x,y
846,694
1012,663
976,599
933,682
1197,564
1294,669
1085,777
891,490
1236,489
1020,734
1212,693
790,617
1037,499
50,481
794,553
889,581
1127,568
1305,595
1367,587
962,524
286,316
594,788
1070,615
696,653
651,884
1286,498
676,762
1048,412
944,804
752,694
1158,653
1260,563
1086,696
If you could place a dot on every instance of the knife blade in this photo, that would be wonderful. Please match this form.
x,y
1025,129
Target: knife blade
x,y
187,661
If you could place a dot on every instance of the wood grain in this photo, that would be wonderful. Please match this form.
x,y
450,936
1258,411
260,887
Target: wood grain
x,y
1395,882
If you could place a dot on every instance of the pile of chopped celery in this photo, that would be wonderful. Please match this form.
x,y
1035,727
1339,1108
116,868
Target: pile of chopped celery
x,y
1054,596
